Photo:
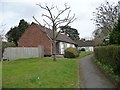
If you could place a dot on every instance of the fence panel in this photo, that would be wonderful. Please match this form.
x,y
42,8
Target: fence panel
x,y
12,53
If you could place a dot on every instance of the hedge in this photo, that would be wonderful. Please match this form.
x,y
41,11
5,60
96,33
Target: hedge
x,y
110,56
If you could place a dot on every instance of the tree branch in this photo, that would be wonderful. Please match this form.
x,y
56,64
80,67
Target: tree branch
x,y
41,6
47,16
68,20
60,12
36,20
49,10
58,33
47,23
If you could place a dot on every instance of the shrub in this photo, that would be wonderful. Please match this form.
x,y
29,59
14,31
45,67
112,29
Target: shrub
x,y
82,49
109,56
7,44
71,53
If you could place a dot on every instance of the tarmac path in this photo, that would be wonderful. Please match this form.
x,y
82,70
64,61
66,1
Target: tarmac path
x,y
91,76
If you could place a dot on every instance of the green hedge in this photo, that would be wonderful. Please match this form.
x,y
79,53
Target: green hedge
x,y
110,56
71,53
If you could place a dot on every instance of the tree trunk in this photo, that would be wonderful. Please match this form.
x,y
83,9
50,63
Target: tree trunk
x,y
54,50
54,43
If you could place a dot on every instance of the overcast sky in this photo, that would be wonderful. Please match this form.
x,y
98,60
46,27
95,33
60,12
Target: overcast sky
x,y
12,11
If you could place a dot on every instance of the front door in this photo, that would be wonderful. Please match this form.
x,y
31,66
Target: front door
x,y
57,47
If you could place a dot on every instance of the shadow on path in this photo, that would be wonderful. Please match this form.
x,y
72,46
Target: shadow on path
x,y
91,76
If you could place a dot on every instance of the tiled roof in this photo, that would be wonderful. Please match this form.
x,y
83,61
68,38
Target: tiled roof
x,y
87,43
61,37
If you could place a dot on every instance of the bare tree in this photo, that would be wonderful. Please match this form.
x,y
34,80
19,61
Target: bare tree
x,y
2,31
105,18
56,21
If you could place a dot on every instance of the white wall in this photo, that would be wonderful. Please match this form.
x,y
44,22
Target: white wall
x,y
88,48
64,45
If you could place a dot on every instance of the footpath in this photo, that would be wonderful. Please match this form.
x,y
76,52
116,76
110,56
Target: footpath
x,y
91,76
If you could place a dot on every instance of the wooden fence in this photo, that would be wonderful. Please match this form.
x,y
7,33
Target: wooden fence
x,y
12,53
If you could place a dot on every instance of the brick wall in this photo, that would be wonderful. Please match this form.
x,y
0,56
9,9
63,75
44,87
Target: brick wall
x,y
33,37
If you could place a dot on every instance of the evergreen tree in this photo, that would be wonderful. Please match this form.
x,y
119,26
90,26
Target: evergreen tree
x,y
115,34
16,32
70,32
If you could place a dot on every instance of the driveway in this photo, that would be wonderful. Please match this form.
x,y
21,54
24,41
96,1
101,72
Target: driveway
x,y
91,76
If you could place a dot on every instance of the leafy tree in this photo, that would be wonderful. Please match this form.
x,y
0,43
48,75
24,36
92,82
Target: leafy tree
x,y
16,32
115,34
105,18
71,32
55,21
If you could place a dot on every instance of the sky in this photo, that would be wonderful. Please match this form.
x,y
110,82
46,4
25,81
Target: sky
x,y
12,11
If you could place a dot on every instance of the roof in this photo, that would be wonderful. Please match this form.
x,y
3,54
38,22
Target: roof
x,y
61,37
82,43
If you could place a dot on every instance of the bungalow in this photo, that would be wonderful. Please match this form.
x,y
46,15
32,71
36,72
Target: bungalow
x,y
36,35
87,45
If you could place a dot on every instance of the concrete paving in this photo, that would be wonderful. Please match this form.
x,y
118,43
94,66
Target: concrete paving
x,y
91,76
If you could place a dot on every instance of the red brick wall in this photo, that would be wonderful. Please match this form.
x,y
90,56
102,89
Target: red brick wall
x,y
33,37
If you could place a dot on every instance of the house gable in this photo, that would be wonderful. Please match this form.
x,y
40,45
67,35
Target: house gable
x,y
34,36
39,35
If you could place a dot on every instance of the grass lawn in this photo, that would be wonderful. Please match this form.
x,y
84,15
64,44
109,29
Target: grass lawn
x,y
40,73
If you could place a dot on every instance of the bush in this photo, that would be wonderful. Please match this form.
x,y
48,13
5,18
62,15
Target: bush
x,y
71,53
7,44
109,56
82,49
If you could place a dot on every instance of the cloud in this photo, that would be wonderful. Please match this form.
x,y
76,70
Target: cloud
x,y
11,11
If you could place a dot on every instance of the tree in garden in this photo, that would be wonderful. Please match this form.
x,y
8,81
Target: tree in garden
x,y
115,34
56,20
2,31
16,32
105,18
70,32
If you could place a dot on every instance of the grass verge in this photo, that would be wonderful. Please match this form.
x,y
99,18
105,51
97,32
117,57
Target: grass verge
x,y
85,53
41,73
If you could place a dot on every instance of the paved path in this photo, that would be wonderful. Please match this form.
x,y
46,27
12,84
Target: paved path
x,y
91,76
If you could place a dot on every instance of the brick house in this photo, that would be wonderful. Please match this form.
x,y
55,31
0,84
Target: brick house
x,y
36,35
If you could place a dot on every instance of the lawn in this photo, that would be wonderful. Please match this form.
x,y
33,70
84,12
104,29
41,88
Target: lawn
x,y
40,73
